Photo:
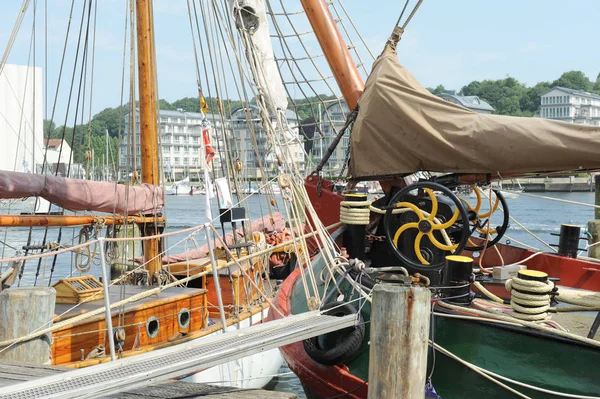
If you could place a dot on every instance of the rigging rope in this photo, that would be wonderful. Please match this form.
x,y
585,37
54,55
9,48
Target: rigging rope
x,y
14,33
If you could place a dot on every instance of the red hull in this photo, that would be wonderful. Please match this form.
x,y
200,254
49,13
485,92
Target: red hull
x,y
323,381
328,381
331,381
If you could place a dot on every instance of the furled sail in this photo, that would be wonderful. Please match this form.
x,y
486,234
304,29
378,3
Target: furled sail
x,y
251,16
402,128
83,195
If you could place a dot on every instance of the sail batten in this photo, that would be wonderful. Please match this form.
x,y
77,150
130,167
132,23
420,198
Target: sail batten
x,y
402,128
83,195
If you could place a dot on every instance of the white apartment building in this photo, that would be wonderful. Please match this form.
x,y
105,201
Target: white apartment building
x,y
332,120
181,144
244,149
21,118
570,105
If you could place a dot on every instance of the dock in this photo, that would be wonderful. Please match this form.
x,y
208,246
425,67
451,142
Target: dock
x,y
550,184
12,373
164,365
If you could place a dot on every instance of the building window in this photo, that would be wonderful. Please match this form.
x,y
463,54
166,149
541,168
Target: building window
x,y
176,160
185,161
195,161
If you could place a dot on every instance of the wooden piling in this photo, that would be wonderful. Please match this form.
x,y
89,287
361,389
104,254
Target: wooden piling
x,y
594,225
399,338
22,311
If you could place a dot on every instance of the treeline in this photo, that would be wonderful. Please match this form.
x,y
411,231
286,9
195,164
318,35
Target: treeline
x,y
511,97
81,138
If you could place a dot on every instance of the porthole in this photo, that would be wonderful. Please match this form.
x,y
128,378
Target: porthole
x,y
184,318
152,326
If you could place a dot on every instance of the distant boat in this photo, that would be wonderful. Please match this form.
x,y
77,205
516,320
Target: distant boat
x,y
182,187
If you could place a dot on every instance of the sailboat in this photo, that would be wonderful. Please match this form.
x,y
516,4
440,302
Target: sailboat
x,y
505,321
180,187
335,271
157,300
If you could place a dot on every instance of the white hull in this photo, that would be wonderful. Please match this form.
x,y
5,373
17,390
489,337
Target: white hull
x,y
252,372
182,190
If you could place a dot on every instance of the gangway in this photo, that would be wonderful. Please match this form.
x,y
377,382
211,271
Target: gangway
x,y
179,360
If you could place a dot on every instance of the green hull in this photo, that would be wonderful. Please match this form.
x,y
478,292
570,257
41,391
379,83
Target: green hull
x,y
526,356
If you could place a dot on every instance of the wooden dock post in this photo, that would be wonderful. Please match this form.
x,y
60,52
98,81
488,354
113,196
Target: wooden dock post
x,y
22,311
593,227
399,341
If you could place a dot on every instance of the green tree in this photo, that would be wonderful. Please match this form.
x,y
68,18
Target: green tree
x,y
190,104
164,104
112,119
49,127
504,95
596,85
438,90
573,80
530,101
309,106
472,89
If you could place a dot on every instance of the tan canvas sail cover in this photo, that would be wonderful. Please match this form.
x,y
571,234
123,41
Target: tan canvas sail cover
x,y
402,128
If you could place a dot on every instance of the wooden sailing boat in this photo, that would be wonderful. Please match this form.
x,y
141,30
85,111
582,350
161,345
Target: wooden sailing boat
x,y
501,344
325,268
146,308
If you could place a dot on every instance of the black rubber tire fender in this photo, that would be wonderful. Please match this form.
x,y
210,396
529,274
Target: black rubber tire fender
x,y
347,344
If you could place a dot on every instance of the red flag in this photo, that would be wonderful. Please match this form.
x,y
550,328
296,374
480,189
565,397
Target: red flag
x,y
210,151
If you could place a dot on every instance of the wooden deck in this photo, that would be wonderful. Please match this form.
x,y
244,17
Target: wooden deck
x,y
17,372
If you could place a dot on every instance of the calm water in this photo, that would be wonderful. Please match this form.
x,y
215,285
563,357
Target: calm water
x,y
541,217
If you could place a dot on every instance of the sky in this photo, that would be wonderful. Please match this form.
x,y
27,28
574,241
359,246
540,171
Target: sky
x,y
449,42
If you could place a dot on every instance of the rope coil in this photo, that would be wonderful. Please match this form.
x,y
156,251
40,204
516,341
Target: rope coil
x,y
355,212
530,299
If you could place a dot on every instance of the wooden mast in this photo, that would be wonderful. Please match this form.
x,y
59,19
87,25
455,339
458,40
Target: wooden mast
x,y
335,50
148,117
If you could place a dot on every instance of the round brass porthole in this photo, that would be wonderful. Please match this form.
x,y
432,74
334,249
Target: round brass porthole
x,y
152,326
184,318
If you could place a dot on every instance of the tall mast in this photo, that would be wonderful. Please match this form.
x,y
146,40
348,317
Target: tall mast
x,y
148,118
335,50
